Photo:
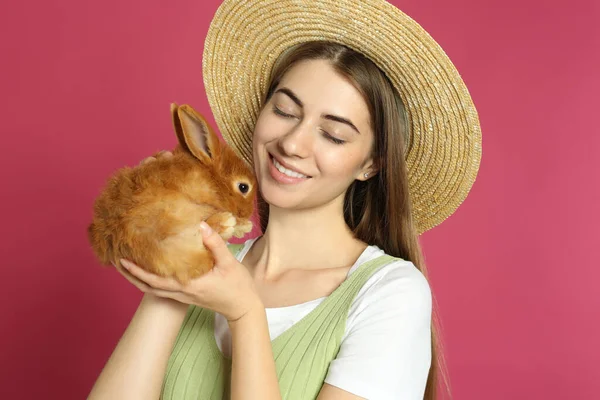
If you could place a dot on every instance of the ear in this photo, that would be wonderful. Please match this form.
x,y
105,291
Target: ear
x,y
194,134
369,168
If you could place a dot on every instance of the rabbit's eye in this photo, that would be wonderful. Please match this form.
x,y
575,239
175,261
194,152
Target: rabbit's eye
x,y
243,187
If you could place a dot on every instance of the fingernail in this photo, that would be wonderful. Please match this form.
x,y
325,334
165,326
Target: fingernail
x,y
206,228
124,263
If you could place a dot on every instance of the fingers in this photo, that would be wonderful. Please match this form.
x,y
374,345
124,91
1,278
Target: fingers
x,y
133,280
161,154
215,244
143,286
147,160
153,281
165,154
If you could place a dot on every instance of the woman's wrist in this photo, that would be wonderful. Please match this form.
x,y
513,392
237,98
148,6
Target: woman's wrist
x,y
255,310
253,372
164,305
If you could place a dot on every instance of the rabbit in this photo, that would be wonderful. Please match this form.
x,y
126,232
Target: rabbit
x,y
151,214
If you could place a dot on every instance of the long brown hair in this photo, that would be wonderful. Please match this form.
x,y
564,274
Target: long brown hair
x,y
377,210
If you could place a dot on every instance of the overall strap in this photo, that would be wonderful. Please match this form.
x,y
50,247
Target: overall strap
x,y
303,352
235,248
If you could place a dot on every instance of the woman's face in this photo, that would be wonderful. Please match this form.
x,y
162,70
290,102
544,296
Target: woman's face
x,y
325,154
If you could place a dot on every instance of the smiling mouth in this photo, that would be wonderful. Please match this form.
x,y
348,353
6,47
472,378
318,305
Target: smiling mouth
x,y
287,171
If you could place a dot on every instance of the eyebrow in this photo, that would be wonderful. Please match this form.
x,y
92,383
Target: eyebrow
x,y
331,117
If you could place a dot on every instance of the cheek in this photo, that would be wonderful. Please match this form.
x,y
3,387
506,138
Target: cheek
x,y
264,131
266,128
340,164
258,136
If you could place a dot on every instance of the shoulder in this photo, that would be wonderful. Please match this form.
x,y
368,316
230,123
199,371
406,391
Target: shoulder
x,y
398,289
385,352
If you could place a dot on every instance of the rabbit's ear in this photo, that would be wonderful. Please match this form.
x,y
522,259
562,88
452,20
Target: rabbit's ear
x,y
194,134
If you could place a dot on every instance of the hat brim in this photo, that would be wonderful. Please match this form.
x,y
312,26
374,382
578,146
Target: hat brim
x,y
246,37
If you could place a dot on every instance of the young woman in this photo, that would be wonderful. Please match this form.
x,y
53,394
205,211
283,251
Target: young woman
x,y
332,300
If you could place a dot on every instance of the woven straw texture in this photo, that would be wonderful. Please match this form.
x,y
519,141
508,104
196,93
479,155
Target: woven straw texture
x,y
246,37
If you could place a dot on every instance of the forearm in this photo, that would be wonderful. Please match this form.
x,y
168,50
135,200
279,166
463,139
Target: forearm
x,y
253,374
137,366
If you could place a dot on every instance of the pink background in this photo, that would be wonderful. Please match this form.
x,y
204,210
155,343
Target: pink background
x,y
85,89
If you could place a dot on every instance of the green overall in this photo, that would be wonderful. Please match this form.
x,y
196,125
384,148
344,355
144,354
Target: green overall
x,y
198,370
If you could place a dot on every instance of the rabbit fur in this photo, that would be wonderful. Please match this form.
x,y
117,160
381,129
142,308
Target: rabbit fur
x,y
151,214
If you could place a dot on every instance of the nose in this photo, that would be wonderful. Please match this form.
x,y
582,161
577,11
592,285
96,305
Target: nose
x,y
297,142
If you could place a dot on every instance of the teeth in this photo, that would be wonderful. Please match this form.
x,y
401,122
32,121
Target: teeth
x,y
286,171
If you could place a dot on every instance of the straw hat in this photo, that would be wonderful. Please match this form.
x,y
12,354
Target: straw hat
x,y
245,38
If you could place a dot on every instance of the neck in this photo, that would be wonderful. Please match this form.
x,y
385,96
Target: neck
x,y
306,239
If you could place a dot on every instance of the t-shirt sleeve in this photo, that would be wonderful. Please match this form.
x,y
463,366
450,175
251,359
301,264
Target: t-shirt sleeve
x,y
386,349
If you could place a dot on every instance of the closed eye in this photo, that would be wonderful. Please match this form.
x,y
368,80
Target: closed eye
x,y
333,139
325,134
279,112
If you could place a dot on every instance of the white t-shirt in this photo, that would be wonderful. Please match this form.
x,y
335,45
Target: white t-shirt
x,y
385,351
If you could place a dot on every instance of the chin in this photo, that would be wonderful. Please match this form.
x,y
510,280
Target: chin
x,y
301,200
276,197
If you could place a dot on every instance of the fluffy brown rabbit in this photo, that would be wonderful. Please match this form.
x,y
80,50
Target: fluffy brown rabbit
x,y
151,214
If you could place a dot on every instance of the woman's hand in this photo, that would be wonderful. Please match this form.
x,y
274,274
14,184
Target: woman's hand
x,y
227,289
160,154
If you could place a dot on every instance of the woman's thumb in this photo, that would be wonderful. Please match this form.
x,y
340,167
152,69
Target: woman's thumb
x,y
214,242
